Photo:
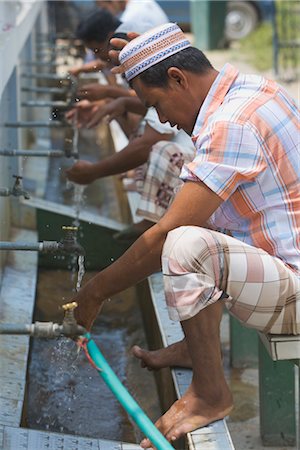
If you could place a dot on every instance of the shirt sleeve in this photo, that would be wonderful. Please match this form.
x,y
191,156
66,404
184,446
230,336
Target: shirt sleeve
x,y
227,156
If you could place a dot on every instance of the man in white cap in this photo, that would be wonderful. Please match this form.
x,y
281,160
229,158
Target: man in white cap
x,y
231,236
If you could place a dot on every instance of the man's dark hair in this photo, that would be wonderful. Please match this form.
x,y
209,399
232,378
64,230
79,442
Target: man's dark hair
x,y
190,59
97,26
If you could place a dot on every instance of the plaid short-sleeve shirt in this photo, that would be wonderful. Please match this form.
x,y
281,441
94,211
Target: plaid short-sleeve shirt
x,y
247,151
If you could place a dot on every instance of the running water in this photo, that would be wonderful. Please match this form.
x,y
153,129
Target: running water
x,y
81,272
78,201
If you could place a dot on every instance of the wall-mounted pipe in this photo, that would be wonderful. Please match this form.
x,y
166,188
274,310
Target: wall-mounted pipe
x,y
40,64
68,328
5,192
44,90
40,153
49,124
45,104
44,246
32,153
68,244
45,76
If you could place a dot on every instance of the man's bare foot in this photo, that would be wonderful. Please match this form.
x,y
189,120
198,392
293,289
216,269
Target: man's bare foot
x,y
175,355
193,411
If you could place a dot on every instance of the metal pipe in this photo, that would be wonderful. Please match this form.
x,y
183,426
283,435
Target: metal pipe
x,y
48,330
49,124
45,76
58,153
68,244
39,63
44,90
26,246
69,327
5,192
45,104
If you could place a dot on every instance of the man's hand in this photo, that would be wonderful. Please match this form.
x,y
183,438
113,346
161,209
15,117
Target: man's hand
x,y
82,113
82,172
75,71
118,44
87,310
110,111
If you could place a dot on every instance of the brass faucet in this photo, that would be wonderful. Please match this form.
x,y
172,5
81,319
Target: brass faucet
x,y
49,330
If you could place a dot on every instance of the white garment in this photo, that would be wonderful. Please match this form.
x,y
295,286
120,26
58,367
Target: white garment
x,y
144,15
179,137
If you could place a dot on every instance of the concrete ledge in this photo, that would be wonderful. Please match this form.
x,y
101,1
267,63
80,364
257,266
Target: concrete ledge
x,y
17,298
23,439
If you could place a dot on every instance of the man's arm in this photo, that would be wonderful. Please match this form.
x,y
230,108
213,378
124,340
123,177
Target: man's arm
x,y
96,91
132,156
116,108
92,66
193,205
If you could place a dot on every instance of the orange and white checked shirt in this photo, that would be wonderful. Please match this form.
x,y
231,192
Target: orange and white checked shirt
x,y
247,151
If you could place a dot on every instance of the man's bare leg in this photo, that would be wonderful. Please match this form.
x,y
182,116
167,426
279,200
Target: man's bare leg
x,y
208,398
175,355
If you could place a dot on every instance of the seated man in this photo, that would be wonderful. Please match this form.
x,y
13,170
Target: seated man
x,y
244,181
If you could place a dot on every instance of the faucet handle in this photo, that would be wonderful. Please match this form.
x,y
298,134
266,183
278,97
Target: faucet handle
x,y
69,306
70,327
69,228
18,177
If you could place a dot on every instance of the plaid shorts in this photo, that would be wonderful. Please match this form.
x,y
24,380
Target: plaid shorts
x,y
199,265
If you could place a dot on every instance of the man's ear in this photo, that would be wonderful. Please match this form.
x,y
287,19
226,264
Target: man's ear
x,y
177,76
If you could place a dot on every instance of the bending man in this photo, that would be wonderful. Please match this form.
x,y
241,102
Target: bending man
x,y
243,183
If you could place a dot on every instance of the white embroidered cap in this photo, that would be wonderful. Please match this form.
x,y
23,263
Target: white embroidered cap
x,y
152,47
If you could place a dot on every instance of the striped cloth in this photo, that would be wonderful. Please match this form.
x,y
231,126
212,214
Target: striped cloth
x,y
247,151
199,265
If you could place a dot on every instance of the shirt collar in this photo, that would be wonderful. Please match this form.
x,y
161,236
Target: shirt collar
x,y
215,96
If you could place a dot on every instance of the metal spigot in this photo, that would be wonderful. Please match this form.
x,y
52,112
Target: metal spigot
x,y
49,330
17,190
69,242
70,326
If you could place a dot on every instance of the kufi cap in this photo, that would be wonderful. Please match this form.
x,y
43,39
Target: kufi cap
x,y
152,47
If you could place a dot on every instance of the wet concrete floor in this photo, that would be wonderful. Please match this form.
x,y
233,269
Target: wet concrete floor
x,y
64,392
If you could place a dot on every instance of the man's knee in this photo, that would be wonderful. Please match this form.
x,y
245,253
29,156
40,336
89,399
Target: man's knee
x,y
186,243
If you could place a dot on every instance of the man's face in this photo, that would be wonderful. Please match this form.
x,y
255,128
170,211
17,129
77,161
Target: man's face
x,y
172,104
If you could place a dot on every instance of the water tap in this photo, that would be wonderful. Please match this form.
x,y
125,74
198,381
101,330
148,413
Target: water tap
x,y
69,326
48,330
69,242
17,190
